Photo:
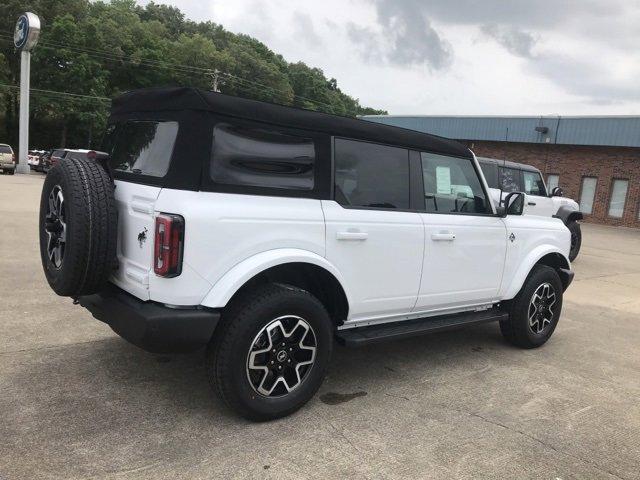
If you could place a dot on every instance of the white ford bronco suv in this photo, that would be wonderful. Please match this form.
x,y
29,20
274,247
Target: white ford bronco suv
x,y
265,232
504,176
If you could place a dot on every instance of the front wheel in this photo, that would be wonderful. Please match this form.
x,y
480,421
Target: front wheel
x,y
270,354
576,239
535,311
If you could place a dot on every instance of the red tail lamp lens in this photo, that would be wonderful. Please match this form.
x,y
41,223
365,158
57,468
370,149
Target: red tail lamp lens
x,y
168,245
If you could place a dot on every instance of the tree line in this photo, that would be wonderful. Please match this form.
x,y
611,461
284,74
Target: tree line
x,y
94,51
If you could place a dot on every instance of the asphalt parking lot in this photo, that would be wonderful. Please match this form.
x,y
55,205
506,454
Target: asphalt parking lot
x,y
76,401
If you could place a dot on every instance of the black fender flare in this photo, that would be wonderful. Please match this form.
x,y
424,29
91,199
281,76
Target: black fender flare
x,y
567,215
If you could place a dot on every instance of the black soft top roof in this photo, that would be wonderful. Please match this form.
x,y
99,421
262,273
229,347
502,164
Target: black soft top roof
x,y
506,163
183,98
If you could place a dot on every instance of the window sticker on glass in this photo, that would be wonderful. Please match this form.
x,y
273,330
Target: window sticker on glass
x,y
443,180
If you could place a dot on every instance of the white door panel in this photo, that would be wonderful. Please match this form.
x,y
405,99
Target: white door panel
x,y
379,254
538,205
463,261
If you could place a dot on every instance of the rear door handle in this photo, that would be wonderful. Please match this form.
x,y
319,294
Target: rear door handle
x,y
443,237
353,236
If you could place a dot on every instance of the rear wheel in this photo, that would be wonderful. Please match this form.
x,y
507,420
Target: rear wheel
x,y
534,312
576,239
270,354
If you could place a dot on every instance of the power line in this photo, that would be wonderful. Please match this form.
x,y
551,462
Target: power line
x,y
54,93
176,67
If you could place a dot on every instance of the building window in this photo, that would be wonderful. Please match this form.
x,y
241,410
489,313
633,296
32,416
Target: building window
x,y
553,181
371,175
618,198
587,194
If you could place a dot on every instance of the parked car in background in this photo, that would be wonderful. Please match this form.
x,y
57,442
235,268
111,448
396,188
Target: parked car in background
x,y
33,158
61,154
43,163
504,177
7,159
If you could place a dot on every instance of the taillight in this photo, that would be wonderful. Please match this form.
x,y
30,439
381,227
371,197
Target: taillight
x,y
13,157
168,246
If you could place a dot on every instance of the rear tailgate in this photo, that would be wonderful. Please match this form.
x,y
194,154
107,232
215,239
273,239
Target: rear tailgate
x,y
136,217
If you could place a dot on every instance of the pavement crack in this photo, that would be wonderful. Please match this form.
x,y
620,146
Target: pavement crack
x,y
398,396
544,444
50,347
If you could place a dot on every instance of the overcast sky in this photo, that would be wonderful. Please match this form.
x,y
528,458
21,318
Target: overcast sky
x,y
455,57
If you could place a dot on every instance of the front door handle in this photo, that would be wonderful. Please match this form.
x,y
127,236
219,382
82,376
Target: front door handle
x,y
353,236
443,237
531,204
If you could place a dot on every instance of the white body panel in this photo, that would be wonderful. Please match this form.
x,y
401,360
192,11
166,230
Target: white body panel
x,y
392,265
224,230
463,261
136,216
379,254
538,205
533,238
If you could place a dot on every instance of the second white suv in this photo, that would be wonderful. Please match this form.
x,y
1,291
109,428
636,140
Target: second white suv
x,y
265,232
504,177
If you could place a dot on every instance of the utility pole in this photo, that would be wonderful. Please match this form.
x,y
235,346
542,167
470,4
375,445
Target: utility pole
x,y
215,80
25,39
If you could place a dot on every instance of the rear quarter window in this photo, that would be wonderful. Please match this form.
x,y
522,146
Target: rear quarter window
x,y
142,147
5,149
262,157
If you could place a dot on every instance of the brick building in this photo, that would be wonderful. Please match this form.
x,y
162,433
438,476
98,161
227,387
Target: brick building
x,y
596,160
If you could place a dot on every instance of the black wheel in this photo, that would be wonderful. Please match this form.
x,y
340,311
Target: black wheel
x,y
78,226
11,172
534,312
576,239
270,354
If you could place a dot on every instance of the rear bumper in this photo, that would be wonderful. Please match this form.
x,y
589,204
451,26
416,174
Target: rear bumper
x,y
7,166
152,326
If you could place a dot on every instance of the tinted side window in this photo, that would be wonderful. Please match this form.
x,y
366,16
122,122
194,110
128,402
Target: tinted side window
x,y
533,184
5,149
490,172
371,175
510,179
451,185
142,147
262,158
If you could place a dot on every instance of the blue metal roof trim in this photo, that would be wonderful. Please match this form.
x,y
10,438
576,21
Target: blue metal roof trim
x,y
603,131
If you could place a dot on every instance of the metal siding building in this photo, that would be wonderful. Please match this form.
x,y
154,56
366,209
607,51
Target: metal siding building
x,y
605,148
604,131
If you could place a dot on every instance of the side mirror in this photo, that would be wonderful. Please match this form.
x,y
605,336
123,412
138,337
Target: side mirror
x,y
557,192
513,204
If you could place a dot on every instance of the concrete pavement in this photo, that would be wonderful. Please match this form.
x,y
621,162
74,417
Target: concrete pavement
x,y
76,401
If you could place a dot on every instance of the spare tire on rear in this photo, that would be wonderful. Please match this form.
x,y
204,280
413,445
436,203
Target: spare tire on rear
x,y
78,227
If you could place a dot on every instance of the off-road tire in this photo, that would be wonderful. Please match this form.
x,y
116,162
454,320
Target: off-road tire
x,y
234,337
576,239
516,329
91,227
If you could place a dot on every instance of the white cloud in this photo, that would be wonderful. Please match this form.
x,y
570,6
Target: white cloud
x,y
455,57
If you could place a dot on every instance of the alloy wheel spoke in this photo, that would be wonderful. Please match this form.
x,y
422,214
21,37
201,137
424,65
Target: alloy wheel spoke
x,y
281,355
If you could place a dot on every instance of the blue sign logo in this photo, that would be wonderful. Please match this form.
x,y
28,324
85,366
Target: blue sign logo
x,y
21,34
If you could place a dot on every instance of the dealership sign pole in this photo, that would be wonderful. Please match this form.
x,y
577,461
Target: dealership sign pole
x,y
25,38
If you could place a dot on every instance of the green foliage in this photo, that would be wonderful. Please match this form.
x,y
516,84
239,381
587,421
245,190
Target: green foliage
x,y
97,50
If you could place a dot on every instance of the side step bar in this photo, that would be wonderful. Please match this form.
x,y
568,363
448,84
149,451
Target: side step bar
x,y
359,336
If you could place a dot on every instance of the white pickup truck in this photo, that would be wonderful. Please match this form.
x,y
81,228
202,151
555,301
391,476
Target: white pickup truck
x,y
264,232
